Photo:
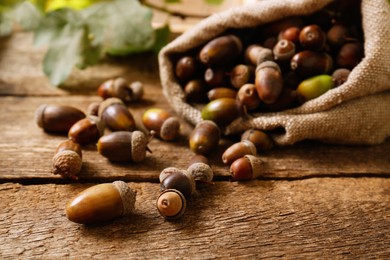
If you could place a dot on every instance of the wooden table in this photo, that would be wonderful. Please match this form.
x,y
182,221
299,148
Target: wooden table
x,y
313,201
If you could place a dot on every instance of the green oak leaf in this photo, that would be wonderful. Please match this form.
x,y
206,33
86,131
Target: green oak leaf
x,y
27,16
121,27
6,21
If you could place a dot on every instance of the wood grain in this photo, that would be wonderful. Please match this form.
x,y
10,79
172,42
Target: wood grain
x,y
315,218
26,151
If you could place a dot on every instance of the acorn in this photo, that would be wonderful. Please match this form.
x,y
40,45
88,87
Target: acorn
x,y
57,118
179,180
67,160
350,54
248,96
101,203
261,140
162,123
93,108
221,50
215,77
340,76
196,91
268,81
284,50
120,88
312,37
171,204
200,169
246,168
309,63
241,74
287,99
314,87
186,68
204,138
115,115
238,150
222,111
256,54
221,92
123,146
337,35
87,130
291,34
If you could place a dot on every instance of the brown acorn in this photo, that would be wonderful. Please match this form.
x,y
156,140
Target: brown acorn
x,y
87,130
222,111
337,35
287,99
309,63
204,138
101,203
215,77
246,168
162,123
248,96
67,160
284,50
261,140
57,118
312,37
171,204
93,108
115,115
268,81
123,146
256,54
179,180
238,150
221,92
120,88
242,74
186,68
350,54
196,91
221,50
340,76
291,34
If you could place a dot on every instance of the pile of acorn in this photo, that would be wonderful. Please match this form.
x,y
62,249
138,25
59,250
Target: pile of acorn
x,y
122,143
270,68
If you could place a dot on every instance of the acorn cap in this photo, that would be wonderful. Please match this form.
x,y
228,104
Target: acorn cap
x,y
268,64
170,128
128,196
257,165
201,172
67,163
139,143
106,103
99,124
264,54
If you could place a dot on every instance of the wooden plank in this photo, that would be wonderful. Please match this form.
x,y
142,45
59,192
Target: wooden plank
x,y
26,151
314,218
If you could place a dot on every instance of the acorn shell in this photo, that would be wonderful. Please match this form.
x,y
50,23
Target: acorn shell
x,y
87,130
101,203
67,163
201,172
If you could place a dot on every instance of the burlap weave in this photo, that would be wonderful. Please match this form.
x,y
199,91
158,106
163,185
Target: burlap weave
x,y
357,112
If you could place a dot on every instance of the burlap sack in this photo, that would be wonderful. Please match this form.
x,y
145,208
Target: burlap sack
x,y
357,112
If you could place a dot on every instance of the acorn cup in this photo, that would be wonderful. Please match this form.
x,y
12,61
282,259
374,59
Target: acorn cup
x,y
199,167
256,54
115,115
246,168
124,146
67,160
161,123
101,203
